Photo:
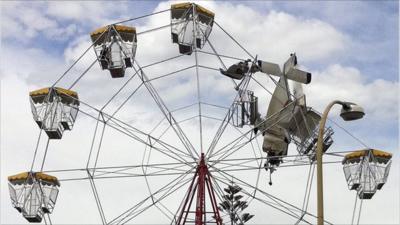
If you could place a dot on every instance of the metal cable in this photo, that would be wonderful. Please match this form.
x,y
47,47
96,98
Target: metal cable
x,y
96,196
160,103
45,154
126,132
229,35
99,148
359,211
79,58
354,209
270,204
199,100
242,87
36,149
238,139
48,216
131,210
118,91
141,17
83,74
118,122
93,140
220,55
348,132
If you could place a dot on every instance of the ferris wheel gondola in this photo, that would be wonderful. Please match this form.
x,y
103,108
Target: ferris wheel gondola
x,y
366,171
54,110
33,194
191,24
115,47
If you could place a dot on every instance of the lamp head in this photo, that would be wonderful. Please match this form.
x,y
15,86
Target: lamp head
x,y
351,111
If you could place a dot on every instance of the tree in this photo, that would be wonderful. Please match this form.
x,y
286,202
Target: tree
x,y
234,206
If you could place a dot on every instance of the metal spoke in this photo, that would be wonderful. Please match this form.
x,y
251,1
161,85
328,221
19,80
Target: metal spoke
x,y
238,130
126,127
97,198
278,201
145,139
168,115
234,145
164,191
242,87
231,37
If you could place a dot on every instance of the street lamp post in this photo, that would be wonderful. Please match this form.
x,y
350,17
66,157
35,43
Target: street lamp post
x,y
350,111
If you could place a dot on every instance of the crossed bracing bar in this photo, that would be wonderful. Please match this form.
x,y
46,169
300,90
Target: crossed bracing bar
x,y
273,202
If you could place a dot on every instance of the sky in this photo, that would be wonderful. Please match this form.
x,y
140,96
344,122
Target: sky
x,y
350,47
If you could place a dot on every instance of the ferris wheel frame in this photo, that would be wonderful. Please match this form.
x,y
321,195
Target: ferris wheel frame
x,y
187,159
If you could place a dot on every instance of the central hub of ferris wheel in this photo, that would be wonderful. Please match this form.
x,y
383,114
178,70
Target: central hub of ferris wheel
x,y
201,187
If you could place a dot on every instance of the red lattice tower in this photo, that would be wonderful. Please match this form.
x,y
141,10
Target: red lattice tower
x,y
200,184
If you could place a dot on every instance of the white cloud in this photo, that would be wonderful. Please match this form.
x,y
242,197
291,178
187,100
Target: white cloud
x,y
278,33
92,13
378,97
31,64
85,11
18,21
24,21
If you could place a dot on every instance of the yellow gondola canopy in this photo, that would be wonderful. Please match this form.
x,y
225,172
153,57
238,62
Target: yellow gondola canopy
x,y
67,96
357,155
177,10
28,177
127,33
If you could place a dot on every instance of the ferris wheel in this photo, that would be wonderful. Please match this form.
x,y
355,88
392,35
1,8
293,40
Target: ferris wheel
x,y
188,137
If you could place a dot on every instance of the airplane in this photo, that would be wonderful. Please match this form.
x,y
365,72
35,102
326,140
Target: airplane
x,y
288,118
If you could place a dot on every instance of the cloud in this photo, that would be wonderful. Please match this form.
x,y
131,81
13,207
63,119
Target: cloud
x,y
31,64
379,97
24,22
56,21
18,21
279,33
370,37
88,12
